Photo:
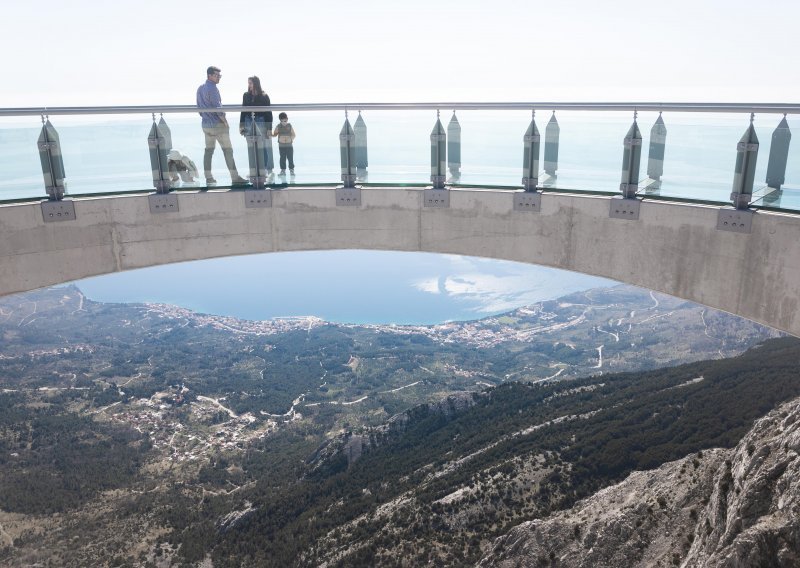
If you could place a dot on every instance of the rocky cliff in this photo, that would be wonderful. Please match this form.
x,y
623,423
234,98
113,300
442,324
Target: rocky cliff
x,y
352,445
717,508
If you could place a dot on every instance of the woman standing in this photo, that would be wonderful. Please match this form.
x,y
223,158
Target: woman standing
x,y
255,96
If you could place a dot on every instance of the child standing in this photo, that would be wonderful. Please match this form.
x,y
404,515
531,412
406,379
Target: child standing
x,y
286,135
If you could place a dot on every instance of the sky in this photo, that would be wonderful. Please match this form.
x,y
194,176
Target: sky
x,y
86,53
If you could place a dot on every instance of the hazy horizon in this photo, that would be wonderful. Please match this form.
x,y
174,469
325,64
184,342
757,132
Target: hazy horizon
x,y
344,286
310,51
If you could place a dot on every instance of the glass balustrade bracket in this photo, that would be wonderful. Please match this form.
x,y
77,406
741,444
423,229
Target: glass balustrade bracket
x,y
736,220
530,183
438,181
348,196
257,198
349,180
528,201
624,208
60,210
434,197
163,202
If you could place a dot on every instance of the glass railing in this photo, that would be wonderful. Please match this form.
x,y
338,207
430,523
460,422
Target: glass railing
x,y
580,148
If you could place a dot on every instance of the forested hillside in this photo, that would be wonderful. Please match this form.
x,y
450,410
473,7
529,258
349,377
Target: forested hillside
x,y
440,488
149,435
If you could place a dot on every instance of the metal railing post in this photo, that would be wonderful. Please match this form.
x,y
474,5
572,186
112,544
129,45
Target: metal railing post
x,y
631,158
156,142
745,169
347,140
256,142
438,154
530,156
52,161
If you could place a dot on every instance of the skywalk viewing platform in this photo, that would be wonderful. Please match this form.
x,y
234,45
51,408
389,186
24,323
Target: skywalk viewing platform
x,y
742,257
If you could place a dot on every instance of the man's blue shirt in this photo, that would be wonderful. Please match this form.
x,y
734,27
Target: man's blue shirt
x,y
208,97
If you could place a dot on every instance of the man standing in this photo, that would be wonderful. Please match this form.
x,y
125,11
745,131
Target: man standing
x,y
215,127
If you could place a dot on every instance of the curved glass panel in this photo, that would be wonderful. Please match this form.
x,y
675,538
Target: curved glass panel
x,y
21,172
695,159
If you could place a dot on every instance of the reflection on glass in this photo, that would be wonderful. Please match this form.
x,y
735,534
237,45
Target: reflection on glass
x,y
454,149
655,157
688,155
362,149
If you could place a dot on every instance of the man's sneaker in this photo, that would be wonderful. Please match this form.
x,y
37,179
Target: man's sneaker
x,y
211,181
239,180
283,173
291,171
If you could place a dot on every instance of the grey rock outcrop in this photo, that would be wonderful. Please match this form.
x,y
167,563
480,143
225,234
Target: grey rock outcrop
x,y
233,518
753,516
719,508
353,445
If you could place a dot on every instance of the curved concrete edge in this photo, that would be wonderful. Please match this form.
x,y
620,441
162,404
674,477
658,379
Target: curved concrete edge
x,y
673,247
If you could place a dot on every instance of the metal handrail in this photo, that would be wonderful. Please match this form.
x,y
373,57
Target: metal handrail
x,y
766,108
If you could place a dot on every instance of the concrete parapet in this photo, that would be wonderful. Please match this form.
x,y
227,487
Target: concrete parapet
x,y
673,247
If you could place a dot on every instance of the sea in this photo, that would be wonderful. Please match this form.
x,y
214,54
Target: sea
x,y
110,153
345,286
106,154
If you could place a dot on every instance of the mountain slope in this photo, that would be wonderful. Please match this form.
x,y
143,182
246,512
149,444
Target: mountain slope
x,y
718,508
147,432
438,490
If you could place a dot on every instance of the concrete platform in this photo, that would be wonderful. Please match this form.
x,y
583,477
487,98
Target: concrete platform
x,y
672,247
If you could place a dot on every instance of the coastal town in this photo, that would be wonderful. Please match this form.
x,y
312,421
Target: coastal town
x,y
195,413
